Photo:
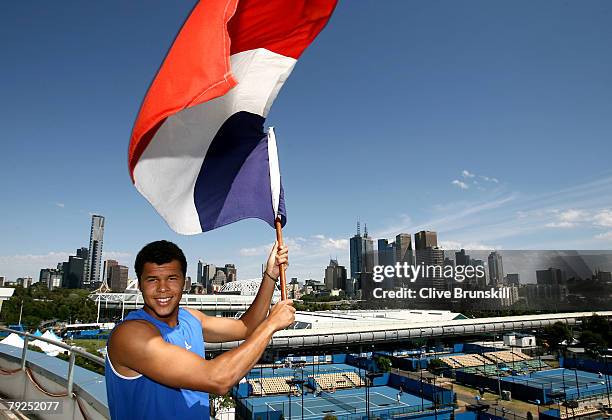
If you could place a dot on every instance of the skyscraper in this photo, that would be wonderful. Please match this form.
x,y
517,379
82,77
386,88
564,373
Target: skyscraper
x,y
335,276
429,255
200,273
94,260
386,252
496,269
362,258
461,258
403,249
118,278
425,239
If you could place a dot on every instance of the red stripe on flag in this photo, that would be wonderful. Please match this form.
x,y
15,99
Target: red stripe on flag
x,y
196,69
285,27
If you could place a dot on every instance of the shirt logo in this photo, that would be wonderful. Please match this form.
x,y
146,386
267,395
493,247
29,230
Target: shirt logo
x,y
187,345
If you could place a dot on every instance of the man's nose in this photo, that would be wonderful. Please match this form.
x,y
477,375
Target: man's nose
x,y
162,285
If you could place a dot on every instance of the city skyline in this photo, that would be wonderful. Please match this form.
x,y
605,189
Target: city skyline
x,y
451,127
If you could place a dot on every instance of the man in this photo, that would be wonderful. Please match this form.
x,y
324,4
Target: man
x,y
155,366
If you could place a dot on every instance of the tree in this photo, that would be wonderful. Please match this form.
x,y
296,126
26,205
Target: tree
x,y
383,363
557,333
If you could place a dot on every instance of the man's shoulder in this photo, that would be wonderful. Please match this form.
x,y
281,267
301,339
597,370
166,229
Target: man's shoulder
x,y
133,328
197,314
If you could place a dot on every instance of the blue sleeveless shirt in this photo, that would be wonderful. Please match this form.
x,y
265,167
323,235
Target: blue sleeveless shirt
x,y
139,397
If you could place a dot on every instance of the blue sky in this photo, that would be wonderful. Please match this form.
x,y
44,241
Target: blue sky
x,y
489,122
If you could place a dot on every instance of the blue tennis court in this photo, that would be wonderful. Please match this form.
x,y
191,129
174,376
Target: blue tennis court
x,y
574,383
383,399
313,369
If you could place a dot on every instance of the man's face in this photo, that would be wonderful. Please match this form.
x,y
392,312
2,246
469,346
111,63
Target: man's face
x,y
162,288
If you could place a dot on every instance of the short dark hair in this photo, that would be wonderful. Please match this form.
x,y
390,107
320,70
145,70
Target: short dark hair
x,y
160,252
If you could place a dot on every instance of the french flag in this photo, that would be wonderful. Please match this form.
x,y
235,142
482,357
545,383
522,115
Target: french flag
x,y
198,151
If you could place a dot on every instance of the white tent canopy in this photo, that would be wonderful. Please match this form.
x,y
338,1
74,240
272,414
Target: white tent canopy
x,y
13,340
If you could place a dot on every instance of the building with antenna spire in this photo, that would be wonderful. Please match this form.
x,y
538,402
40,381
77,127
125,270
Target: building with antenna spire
x,y
362,258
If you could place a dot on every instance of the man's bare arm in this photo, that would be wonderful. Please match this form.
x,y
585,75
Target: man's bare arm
x,y
218,330
139,347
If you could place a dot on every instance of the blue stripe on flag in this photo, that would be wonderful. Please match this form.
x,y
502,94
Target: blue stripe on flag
x,y
234,181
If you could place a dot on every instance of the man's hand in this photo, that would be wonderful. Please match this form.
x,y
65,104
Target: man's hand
x,y
278,255
281,315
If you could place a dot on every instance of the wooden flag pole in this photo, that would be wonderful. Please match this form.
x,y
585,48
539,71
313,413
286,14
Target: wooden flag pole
x,y
281,269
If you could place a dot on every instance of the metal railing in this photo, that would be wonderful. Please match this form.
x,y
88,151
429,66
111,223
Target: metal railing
x,y
73,352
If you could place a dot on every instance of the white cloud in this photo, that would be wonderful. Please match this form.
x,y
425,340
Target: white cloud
x,y
60,205
467,174
331,243
560,225
490,179
573,215
460,184
605,236
477,246
603,218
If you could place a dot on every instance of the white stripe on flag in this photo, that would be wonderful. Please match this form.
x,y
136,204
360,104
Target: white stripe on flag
x,y
167,171
275,181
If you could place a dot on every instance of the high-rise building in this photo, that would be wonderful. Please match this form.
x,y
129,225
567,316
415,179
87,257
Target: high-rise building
x,y
461,258
2,280
425,239
74,271
403,249
200,273
482,280
94,260
52,277
230,272
386,252
107,270
431,257
335,276
362,259
552,276
25,281
496,269
118,278
513,279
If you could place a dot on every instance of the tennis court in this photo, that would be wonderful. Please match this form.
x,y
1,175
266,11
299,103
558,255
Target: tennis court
x,y
574,383
352,402
312,369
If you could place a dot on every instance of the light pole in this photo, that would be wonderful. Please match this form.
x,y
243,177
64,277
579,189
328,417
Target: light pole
x,y
577,386
296,382
369,382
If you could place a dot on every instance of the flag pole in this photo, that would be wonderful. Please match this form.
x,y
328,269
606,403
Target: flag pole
x,y
281,269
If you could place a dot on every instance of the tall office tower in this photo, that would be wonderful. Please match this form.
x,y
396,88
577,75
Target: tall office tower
x,y
461,258
425,239
480,281
208,274
200,273
362,258
187,287
432,258
496,269
335,276
107,273
118,277
403,249
231,272
386,252
513,279
74,271
551,277
94,260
